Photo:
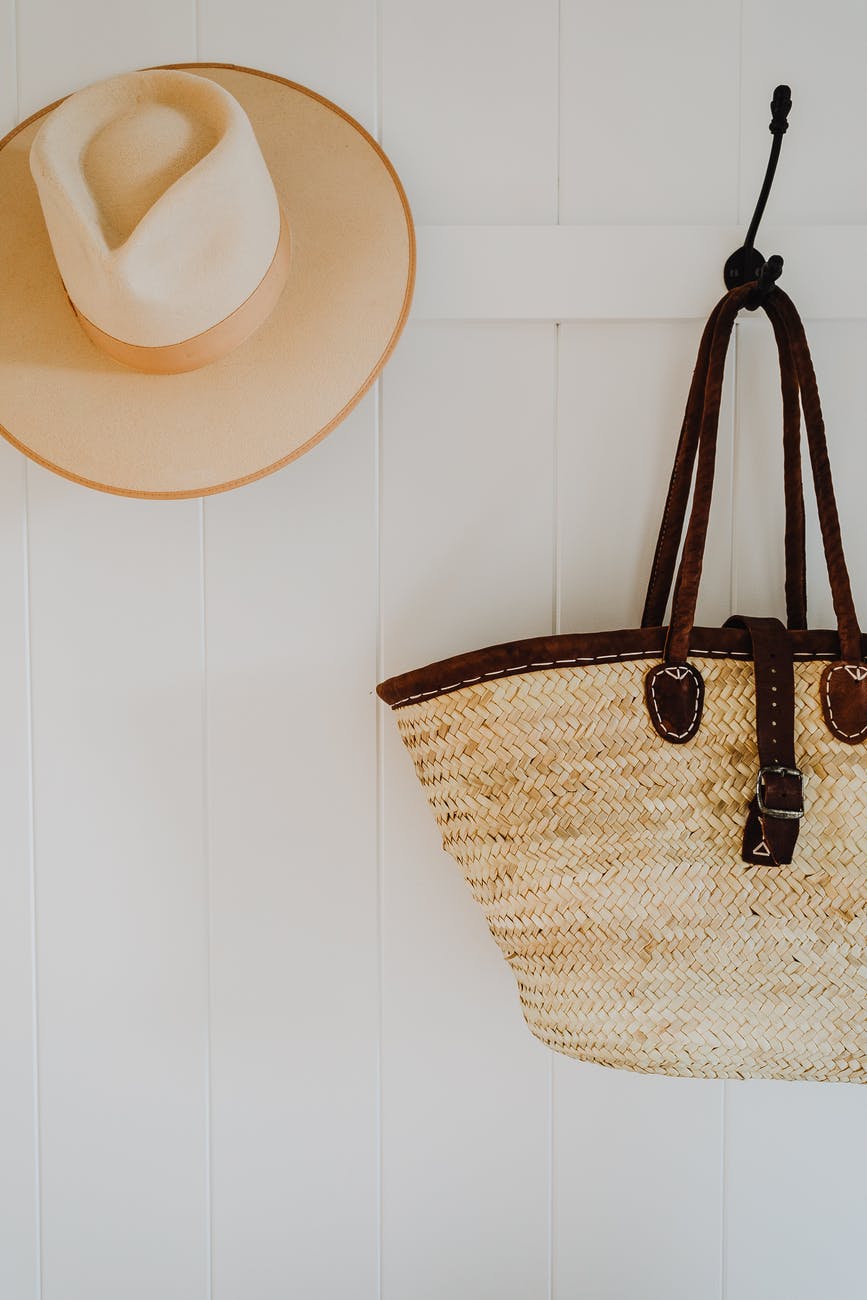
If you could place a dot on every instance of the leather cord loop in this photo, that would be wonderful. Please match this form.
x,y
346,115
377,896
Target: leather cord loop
x,y
674,514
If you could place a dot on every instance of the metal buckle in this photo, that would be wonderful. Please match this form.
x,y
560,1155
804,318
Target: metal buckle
x,y
784,814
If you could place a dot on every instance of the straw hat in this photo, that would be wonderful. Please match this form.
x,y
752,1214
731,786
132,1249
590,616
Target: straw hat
x,y
202,269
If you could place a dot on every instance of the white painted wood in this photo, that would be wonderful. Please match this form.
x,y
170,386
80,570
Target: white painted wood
x,y
597,273
796,1200
8,72
63,47
838,351
819,53
629,1150
291,635
637,1185
330,46
291,629
467,492
649,96
623,389
120,891
469,108
19,1174
759,518
419,1155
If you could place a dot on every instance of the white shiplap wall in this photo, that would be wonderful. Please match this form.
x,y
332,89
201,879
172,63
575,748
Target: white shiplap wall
x,y
256,1041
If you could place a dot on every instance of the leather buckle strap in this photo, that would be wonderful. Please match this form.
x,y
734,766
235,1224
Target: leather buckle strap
x,y
767,787
777,807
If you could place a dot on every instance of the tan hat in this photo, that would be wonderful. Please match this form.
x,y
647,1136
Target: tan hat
x,y
210,270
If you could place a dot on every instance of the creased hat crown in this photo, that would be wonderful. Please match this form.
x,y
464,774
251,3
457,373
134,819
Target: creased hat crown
x,y
162,214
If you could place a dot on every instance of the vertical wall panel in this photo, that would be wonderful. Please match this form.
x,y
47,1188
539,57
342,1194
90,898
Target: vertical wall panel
x,y
623,389
66,46
794,1203
19,1186
796,1198
467,494
291,599
649,125
8,74
291,623
117,784
329,46
19,1191
819,52
637,1185
470,108
636,1160
120,893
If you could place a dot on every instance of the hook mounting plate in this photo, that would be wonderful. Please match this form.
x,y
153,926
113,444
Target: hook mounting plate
x,y
743,266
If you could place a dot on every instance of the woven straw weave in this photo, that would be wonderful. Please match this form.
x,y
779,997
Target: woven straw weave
x,y
608,866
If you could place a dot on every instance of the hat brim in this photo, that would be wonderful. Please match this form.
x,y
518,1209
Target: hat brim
x,y
68,406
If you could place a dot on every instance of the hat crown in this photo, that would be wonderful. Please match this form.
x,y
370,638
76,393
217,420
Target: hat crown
x,y
161,212
136,157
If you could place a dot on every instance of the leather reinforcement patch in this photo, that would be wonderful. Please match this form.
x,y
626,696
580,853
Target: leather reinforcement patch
x,y
675,698
844,701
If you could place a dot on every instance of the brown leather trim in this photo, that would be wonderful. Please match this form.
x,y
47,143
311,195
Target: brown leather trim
x,y
569,651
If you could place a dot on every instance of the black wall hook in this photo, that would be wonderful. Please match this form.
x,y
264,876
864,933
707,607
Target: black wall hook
x,y
747,263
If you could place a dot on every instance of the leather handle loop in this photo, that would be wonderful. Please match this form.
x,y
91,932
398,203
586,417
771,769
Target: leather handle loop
x,y
674,515
793,483
689,572
779,307
829,519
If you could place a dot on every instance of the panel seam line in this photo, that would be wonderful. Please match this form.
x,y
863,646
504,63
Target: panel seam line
x,y
34,929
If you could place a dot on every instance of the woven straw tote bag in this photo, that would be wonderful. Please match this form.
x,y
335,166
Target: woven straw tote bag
x,y
667,827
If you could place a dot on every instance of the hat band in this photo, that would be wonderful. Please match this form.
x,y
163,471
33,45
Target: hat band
x,y
213,343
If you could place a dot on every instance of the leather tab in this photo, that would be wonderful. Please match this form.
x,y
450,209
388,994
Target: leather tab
x,y
844,701
773,817
675,698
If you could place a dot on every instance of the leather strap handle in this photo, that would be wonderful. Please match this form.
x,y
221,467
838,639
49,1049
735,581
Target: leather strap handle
x,y
674,515
829,519
674,689
778,305
689,572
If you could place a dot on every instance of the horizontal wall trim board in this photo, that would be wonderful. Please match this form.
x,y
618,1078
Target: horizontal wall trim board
x,y
625,272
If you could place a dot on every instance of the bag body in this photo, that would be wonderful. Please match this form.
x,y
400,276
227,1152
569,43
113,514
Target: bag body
x,y
666,827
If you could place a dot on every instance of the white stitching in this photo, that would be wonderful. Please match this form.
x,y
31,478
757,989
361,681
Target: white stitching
x,y
590,659
669,734
846,735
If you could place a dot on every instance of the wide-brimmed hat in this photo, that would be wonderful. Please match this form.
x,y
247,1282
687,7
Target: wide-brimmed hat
x,y
202,270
